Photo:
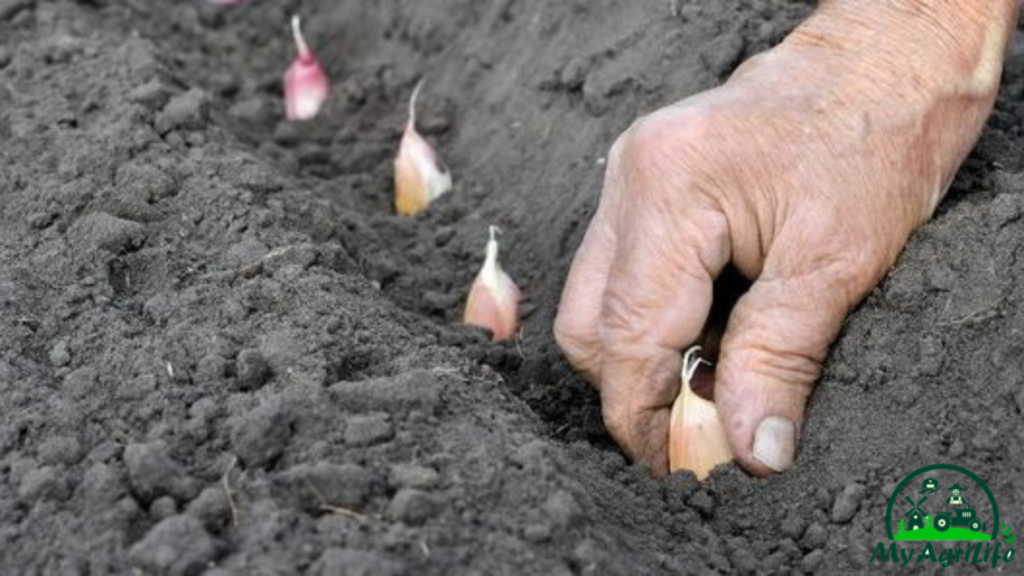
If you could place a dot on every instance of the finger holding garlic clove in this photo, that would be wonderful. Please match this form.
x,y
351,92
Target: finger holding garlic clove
x,y
494,298
697,439
421,176
306,86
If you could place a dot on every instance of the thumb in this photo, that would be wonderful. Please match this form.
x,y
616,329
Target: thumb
x,y
777,336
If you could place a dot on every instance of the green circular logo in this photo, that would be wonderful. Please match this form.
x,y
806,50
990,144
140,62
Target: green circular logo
x,y
959,521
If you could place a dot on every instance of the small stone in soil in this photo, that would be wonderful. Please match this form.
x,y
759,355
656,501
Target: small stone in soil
x,y
793,526
957,449
153,94
416,389
146,183
812,562
102,231
338,561
41,484
59,355
80,383
413,506
847,502
344,485
743,561
815,537
562,509
251,110
772,563
702,502
537,532
153,473
101,486
163,507
211,507
369,429
211,371
177,546
243,253
60,450
410,476
261,436
252,369
186,111
40,220
301,255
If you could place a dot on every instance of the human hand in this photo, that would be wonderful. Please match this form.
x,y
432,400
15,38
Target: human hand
x,y
807,171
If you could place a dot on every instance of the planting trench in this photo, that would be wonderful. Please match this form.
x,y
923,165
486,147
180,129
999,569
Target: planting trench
x,y
219,349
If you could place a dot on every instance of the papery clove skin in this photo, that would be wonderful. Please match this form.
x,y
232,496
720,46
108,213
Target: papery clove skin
x,y
697,440
306,86
494,298
421,176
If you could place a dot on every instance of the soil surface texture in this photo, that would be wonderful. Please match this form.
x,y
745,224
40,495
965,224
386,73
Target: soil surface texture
x,y
221,352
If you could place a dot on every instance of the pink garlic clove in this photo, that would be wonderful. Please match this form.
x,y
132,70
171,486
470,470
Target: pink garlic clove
x,y
305,84
494,298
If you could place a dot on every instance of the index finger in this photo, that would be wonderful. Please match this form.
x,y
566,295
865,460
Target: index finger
x,y
656,304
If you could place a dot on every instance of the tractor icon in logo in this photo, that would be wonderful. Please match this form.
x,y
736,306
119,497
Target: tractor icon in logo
x,y
962,517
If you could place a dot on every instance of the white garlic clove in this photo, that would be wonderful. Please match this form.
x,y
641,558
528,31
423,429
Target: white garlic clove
x,y
421,176
697,439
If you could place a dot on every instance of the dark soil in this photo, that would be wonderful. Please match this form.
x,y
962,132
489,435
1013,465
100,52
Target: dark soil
x,y
219,350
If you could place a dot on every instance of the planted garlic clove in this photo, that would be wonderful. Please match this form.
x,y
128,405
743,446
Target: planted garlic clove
x,y
697,439
420,175
494,298
305,84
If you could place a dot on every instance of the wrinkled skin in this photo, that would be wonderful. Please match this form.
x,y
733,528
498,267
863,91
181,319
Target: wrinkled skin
x,y
808,171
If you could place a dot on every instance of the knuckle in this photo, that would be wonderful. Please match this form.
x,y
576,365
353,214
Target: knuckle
x,y
661,146
839,255
623,322
664,136
798,369
845,273
617,422
567,335
856,271
580,350
703,239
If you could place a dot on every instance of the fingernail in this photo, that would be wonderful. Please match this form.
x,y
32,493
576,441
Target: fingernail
x,y
775,443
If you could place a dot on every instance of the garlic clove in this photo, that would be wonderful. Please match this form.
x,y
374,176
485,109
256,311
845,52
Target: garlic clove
x,y
305,84
697,439
494,298
420,175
